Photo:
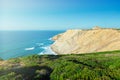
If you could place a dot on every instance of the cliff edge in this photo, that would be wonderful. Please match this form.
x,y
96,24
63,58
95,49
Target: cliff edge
x,y
86,41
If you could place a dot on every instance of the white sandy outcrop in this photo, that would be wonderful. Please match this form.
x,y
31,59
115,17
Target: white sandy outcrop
x,y
86,41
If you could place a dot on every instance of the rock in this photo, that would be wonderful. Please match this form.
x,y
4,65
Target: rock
x,y
86,41
56,37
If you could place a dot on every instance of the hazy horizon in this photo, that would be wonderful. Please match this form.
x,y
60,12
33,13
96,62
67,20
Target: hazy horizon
x,y
58,14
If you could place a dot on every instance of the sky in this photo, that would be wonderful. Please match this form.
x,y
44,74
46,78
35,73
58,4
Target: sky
x,y
58,14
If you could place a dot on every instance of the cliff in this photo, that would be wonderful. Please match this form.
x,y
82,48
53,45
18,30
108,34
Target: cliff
x,y
86,41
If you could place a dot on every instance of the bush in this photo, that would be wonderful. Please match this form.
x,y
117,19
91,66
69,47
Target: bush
x,y
11,76
97,66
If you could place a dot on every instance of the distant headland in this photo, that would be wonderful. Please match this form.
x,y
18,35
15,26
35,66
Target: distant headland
x,y
86,41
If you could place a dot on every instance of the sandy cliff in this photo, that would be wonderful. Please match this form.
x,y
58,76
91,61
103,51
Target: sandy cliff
x,y
86,41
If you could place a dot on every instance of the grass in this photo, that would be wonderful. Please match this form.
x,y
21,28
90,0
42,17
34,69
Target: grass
x,y
94,66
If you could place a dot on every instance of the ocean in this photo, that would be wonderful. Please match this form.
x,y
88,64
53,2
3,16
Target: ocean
x,y
22,43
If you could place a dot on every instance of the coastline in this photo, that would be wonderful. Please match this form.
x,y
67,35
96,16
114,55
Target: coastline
x,y
24,43
47,49
79,41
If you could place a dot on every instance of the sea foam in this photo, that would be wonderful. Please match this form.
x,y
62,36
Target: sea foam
x,y
47,50
50,39
40,44
28,49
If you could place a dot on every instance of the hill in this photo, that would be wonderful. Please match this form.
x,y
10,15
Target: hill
x,y
86,41
94,66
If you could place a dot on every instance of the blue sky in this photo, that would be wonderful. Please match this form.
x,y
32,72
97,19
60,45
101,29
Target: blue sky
x,y
58,14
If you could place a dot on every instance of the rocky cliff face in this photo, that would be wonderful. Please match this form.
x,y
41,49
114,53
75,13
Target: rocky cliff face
x,y
86,41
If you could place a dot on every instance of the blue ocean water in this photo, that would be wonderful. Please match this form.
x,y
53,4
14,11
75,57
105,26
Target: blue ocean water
x,y
21,43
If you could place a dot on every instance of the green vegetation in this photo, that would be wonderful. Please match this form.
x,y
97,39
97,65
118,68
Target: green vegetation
x,y
96,66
